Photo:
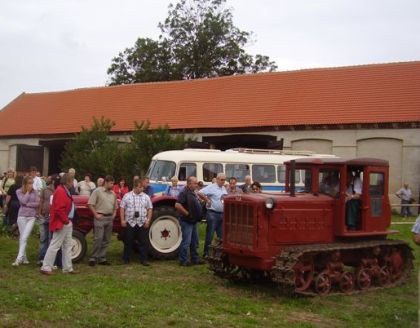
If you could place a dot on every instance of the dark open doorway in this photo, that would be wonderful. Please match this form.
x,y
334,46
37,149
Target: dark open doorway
x,y
244,140
55,150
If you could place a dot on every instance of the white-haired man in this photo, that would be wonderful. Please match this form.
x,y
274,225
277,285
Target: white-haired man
x,y
213,195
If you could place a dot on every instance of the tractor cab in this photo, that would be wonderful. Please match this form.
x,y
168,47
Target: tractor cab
x,y
358,188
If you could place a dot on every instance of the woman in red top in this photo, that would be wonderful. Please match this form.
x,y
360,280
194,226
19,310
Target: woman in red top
x,y
62,211
120,188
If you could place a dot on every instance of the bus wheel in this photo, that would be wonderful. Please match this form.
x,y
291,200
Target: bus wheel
x,y
165,233
79,247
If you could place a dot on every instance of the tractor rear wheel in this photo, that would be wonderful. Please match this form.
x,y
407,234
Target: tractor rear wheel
x,y
165,234
79,247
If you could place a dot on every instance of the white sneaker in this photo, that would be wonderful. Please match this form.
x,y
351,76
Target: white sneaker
x,y
16,263
54,267
25,262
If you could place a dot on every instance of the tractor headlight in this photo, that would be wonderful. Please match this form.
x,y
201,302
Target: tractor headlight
x,y
269,203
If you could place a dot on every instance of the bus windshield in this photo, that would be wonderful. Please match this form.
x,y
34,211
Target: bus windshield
x,y
161,170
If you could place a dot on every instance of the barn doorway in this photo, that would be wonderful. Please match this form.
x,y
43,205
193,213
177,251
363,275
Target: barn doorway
x,y
243,140
55,152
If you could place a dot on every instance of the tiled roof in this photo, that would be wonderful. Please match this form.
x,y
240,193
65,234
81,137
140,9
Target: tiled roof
x,y
379,93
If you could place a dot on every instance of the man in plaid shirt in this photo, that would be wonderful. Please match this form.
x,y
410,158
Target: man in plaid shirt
x,y
136,215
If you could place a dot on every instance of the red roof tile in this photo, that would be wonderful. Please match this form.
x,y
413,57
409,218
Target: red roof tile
x,y
380,93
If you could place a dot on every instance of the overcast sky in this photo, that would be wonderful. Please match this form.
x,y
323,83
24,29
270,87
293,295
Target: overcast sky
x,y
49,45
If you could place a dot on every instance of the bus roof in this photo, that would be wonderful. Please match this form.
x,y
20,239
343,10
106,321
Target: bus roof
x,y
234,156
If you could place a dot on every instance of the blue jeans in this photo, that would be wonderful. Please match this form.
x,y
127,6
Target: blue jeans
x,y
44,237
189,241
405,210
353,213
214,224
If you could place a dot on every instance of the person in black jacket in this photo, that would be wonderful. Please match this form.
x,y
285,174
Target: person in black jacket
x,y
190,210
11,206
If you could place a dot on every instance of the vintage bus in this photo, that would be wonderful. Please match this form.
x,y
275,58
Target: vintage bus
x,y
264,166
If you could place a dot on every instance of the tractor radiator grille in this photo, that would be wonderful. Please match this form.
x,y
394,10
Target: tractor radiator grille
x,y
239,224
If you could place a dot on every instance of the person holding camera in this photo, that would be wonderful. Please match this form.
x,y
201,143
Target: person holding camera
x,y
136,214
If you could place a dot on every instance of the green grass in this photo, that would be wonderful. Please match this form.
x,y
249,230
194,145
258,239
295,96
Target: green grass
x,y
166,295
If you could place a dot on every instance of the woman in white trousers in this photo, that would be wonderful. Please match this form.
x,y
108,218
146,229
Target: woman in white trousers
x,y
29,203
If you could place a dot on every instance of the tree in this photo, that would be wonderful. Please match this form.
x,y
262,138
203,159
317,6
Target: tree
x,y
198,40
148,60
93,151
147,142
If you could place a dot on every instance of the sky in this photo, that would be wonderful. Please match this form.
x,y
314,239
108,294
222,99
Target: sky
x,y
51,45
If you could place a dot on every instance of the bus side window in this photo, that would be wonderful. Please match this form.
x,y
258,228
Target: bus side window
x,y
239,171
281,173
210,171
186,170
263,173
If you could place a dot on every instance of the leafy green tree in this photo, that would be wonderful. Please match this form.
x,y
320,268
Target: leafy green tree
x,y
148,60
147,142
93,151
198,40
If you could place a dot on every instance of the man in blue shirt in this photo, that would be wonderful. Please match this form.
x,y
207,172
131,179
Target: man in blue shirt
x,y
213,195
147,188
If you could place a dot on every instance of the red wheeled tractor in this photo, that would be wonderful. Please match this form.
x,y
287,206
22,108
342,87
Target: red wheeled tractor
x,y
328,239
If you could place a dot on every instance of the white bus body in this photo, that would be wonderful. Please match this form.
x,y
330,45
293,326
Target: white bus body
x,y
264,166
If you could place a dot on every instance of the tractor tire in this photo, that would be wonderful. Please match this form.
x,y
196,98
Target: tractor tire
x,y
165,234
79,248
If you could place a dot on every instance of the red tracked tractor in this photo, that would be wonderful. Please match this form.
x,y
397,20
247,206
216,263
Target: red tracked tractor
x,y
327,239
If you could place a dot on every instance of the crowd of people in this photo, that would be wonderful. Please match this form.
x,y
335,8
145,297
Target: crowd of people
x,y
49,201
29,198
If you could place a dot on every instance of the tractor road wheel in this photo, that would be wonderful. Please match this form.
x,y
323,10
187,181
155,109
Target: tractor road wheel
x,y
363,279
79,247
165,234
323,283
